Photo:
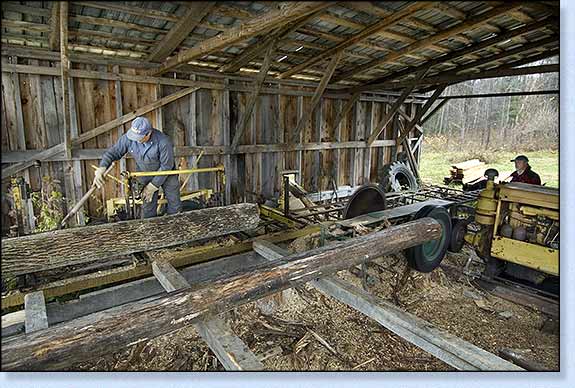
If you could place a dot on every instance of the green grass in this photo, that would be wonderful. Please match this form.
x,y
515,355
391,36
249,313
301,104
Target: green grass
x,y
435,164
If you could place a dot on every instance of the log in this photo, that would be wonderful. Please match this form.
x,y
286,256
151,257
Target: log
x,y
453,351
43,251
97,334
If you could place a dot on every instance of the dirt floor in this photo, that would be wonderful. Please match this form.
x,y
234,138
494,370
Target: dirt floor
x,y
301,329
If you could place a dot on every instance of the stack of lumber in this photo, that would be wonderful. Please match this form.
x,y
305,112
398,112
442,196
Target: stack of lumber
x,y
465,172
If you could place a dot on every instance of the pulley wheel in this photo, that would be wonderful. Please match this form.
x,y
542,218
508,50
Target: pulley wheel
x,y
427,256
458,230
366,199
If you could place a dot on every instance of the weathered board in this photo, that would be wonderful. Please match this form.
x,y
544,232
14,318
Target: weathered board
x,y
97,334
43,251
201,119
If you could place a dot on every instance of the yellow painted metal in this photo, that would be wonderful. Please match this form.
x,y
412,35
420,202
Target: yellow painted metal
x,y
278,216
108,175
521,202
534,256
533,211
540,196
486,208
175,172
16,194
178,259
113,203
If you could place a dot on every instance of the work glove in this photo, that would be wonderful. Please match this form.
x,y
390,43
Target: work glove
x,y
99,177
148,192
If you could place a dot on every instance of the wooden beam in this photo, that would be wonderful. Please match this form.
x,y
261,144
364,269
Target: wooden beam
x,y
35,308
504,54
43,251
247,116
179,32
344,111
253,27
169,277
459,354
43,155
435,110
364,34
504,94
65,69
389,116
184,258
231,351
491,73
317,95
394,108
55,27
101,332
424,43
403,134
137,11
96,153
253,51
132,115
467,50
495,73
116,24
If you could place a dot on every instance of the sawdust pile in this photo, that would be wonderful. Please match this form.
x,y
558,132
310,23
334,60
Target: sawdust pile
x,y
301,329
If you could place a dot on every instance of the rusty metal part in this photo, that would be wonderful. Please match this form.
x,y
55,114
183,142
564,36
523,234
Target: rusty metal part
x,y
366,199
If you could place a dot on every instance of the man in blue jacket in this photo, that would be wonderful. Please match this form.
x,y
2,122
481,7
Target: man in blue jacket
x,y
153,151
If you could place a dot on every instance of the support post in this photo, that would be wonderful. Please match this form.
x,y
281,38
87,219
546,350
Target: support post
x,y
420,114
70,183
254,97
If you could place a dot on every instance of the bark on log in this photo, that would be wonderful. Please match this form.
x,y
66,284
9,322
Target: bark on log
x,y
100,333
43,251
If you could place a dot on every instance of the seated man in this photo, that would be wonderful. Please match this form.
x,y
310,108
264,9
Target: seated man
x,y
523,172
153,151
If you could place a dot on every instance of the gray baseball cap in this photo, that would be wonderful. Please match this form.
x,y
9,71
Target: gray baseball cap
x,y
141,126
520,157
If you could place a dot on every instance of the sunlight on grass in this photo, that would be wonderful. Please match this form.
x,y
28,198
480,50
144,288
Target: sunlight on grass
x,y
435,165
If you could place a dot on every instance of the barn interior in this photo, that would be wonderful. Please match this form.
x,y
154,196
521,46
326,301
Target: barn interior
x,y
307,238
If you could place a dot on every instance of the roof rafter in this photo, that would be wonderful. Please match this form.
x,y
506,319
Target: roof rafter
x,y
424,43
250,28
365,33
470,49
180,31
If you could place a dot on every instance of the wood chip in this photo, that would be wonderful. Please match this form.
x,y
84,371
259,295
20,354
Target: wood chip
x,y
363,363
323,342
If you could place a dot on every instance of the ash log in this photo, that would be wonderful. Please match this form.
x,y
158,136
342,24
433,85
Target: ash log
x,y
44,251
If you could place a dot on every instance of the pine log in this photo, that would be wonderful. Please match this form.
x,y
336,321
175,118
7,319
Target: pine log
x,y
100,333
43,251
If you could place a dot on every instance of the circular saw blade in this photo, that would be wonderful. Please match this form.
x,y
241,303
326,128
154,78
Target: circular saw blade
x,y
366,199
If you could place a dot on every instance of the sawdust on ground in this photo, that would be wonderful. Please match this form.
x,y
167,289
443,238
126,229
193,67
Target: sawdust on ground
x,y
301,329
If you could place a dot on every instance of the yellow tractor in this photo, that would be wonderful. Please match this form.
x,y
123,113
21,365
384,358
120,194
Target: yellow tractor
x,y
516,231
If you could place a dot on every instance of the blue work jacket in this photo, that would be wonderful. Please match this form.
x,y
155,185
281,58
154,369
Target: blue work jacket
x,y
157,154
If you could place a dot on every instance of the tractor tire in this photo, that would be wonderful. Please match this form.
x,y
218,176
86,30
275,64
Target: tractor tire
x,y
426,257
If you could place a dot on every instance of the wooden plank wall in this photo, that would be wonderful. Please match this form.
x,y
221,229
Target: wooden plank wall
x,y
202,118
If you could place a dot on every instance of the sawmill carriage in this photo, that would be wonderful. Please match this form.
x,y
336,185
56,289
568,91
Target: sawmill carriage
x,y
285,123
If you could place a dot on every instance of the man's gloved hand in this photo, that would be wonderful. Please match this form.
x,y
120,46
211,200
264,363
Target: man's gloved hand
x,y
148,192
99,177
